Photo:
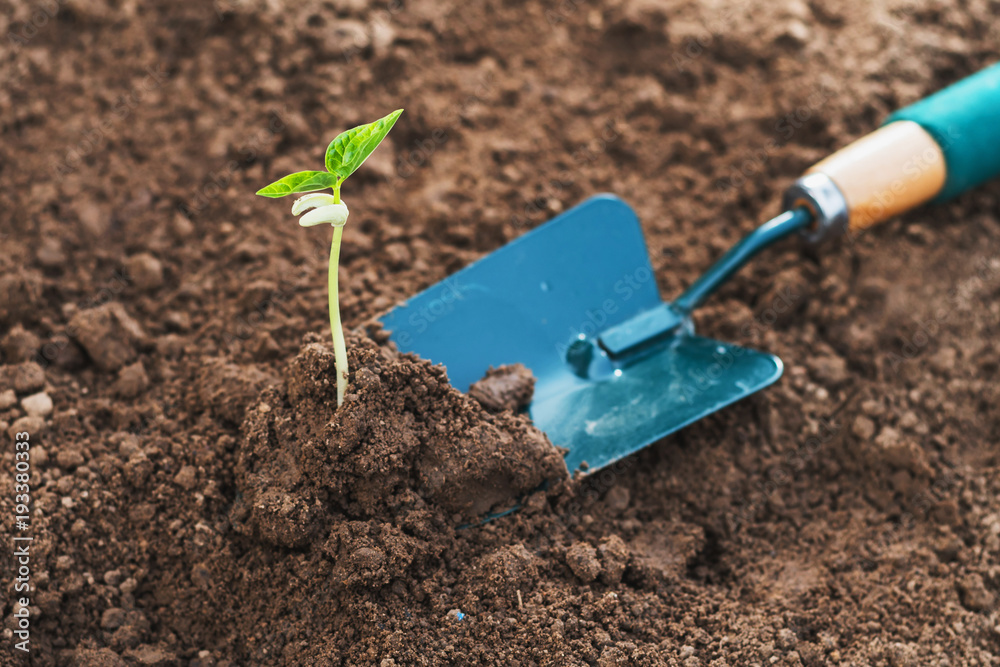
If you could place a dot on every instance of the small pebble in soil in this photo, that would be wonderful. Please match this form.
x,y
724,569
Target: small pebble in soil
x,y
909,420
147,654
69,459
614,557
19,344
186,478
182,226
109,335
25,378
37,405
787,639
132,381
582,560
227,388
507,569
830,371
176,320
112,618
51,254
39,455
8,399
617,498
128,444
201,575
455,615
144,271
863,428
974,594
873,408
29,424
398,255
96,657
504,388
20,294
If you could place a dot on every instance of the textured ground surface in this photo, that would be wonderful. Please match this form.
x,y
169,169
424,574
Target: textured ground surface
x,y
849,515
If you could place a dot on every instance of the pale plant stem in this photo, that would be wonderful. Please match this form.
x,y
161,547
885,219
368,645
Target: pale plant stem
x,y
339,345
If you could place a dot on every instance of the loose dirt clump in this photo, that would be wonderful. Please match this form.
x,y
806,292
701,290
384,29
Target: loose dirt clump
x,y
404,441
504,388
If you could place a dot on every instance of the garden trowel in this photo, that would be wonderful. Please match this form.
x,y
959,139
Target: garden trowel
x,y
575,300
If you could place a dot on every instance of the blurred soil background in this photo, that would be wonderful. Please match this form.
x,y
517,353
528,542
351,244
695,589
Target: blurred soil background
x,y
849,515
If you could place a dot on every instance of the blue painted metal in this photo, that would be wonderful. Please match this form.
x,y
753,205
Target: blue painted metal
x,y
606,417
964,120
643,329
546,300
528,301
772,231
666,318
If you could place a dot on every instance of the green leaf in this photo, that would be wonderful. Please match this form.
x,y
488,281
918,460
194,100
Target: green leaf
x,y
302,181
351,148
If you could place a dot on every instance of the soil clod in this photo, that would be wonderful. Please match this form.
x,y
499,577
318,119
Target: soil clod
x,y
504,388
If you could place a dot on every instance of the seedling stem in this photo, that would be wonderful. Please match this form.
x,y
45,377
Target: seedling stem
x,y
344,155
339,345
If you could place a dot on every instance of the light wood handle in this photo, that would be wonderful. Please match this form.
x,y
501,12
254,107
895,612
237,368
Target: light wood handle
x,y
893,169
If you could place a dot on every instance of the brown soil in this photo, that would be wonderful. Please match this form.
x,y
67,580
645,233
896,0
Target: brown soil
x,y
197,500
403,439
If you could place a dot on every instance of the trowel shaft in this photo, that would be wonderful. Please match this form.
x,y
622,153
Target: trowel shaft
x,y
935,149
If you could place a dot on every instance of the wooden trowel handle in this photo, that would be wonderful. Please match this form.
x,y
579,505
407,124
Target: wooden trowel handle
x,y
934,149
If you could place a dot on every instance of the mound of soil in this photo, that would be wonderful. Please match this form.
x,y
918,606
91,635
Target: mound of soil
x,y
405,443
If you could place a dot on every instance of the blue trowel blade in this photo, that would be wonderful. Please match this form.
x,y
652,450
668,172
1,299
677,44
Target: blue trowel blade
x,y
673,385
565,281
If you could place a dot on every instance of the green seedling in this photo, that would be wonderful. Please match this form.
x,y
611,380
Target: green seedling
x,y
344,155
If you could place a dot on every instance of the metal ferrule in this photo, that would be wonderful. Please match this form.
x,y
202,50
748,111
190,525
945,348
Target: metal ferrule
x,y
825,201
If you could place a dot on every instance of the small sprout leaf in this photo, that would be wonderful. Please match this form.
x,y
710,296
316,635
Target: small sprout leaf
x,y
302,181
350,149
